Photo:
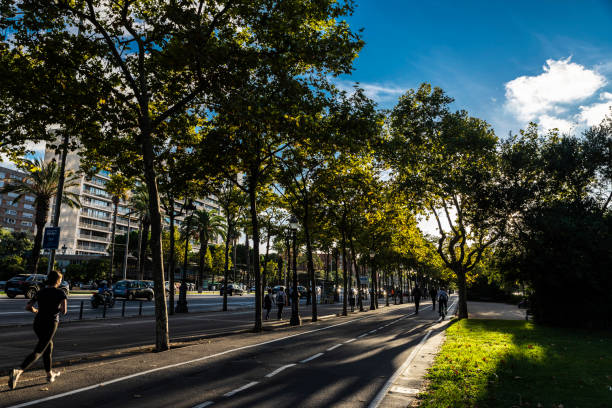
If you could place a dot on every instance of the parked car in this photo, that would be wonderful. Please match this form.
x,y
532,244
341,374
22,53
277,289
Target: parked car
x,y
303,292
2,285
29,285
233,289
277,288
133,289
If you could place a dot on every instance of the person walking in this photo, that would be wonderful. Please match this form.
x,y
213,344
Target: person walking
x,y
434,294
352,300
51,301
268,302
281,298
416,294
442,300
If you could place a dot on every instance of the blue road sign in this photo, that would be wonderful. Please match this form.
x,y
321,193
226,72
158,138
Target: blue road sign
x,y
51,238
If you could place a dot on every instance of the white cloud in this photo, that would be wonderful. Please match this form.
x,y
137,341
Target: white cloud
x,y
37,149
552,122
377,92
562,82
595,113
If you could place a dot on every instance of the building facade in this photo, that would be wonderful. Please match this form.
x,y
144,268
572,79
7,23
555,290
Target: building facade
x,y
18,216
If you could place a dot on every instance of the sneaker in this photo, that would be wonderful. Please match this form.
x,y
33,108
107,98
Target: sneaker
x,y
52,375
14,377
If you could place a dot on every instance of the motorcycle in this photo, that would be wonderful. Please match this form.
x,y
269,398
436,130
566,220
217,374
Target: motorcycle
x,y
98,299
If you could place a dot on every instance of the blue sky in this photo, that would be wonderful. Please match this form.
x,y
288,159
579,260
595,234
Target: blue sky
x,y
506,62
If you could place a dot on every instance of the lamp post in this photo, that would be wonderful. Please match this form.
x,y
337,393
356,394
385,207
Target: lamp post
x,y
181,305
60,191
288,268
360,292
296,320
372,275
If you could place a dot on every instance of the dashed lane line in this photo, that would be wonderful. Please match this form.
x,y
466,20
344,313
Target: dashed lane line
x,y
311,358
361,336
204,404
334,347
237,390
278,370
350,341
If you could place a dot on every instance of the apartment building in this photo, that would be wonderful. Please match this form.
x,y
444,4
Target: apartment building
x,y
87,231
18,216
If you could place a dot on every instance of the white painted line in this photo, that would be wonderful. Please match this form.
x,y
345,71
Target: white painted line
x,y
349,341
153,370
312,358
278,370
237,390
383,391
382,327
334,347
372,331
362,335
204,404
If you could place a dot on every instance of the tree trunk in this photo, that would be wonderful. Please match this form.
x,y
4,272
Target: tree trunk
x,y
162,337
248,255
311,271
226,267
344,273
140,226
265,267
114,228
171,261
42,211
373,284
255,224
203,248
462,286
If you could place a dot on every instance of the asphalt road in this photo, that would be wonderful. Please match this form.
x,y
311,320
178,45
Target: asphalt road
x,y
340,362
12,311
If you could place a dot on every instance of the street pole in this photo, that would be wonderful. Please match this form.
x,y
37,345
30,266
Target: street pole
x,y
296,320
181,305
58,197
372,275
288,268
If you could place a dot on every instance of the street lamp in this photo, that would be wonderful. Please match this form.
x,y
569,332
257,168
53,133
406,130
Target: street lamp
x,y
181,305
372,278
296,320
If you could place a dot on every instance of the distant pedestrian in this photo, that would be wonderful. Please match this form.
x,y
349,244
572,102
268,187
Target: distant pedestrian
x,y
416,294
434,294
268,301
281,298
352,300
51,301
442,300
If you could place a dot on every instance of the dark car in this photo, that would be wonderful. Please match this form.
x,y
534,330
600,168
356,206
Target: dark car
x,y
232,289
133,289
29,285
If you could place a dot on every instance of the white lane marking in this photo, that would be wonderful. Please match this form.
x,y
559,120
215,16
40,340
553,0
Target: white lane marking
x,y
237,390
204,404
311,358
372,331
362,335
349,341
381,327
278,370
334,347
383,391
153,370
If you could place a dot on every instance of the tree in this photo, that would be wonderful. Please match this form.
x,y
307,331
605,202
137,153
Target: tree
x,y
208,225
41,182
140,203
448,164
117,187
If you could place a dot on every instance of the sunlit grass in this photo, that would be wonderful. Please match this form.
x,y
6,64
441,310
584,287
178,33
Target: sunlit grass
x,y
494,363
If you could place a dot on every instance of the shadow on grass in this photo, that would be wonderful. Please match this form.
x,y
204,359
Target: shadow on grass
x,y
493,363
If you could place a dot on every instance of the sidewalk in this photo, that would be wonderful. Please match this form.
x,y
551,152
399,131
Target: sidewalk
x,y
410,379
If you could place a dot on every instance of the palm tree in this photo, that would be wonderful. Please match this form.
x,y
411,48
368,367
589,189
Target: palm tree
x,y
41,181
140,204
209,225
117,187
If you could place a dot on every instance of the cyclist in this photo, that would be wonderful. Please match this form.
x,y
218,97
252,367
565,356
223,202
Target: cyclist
x,y
442,301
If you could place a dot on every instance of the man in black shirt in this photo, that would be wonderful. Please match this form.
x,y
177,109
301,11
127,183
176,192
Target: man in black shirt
x,y
51,301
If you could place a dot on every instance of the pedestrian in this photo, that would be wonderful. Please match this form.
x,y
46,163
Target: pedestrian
x,y
442,300
51,301
281,298
268,301
434,294
416,294
352,300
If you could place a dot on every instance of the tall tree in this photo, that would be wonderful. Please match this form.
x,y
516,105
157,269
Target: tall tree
x,y
118,187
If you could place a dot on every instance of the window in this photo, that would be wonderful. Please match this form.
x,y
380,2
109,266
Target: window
x,y
30,198
95,191
11,212
95,213
1,183
11,203
12,195
2,175
10,221
27,215
26,223
28,206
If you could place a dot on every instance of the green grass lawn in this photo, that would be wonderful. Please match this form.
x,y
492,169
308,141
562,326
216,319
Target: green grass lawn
x,y
495,363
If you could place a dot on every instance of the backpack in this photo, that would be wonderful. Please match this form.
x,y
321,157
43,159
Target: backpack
x,y
443,296
280,298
